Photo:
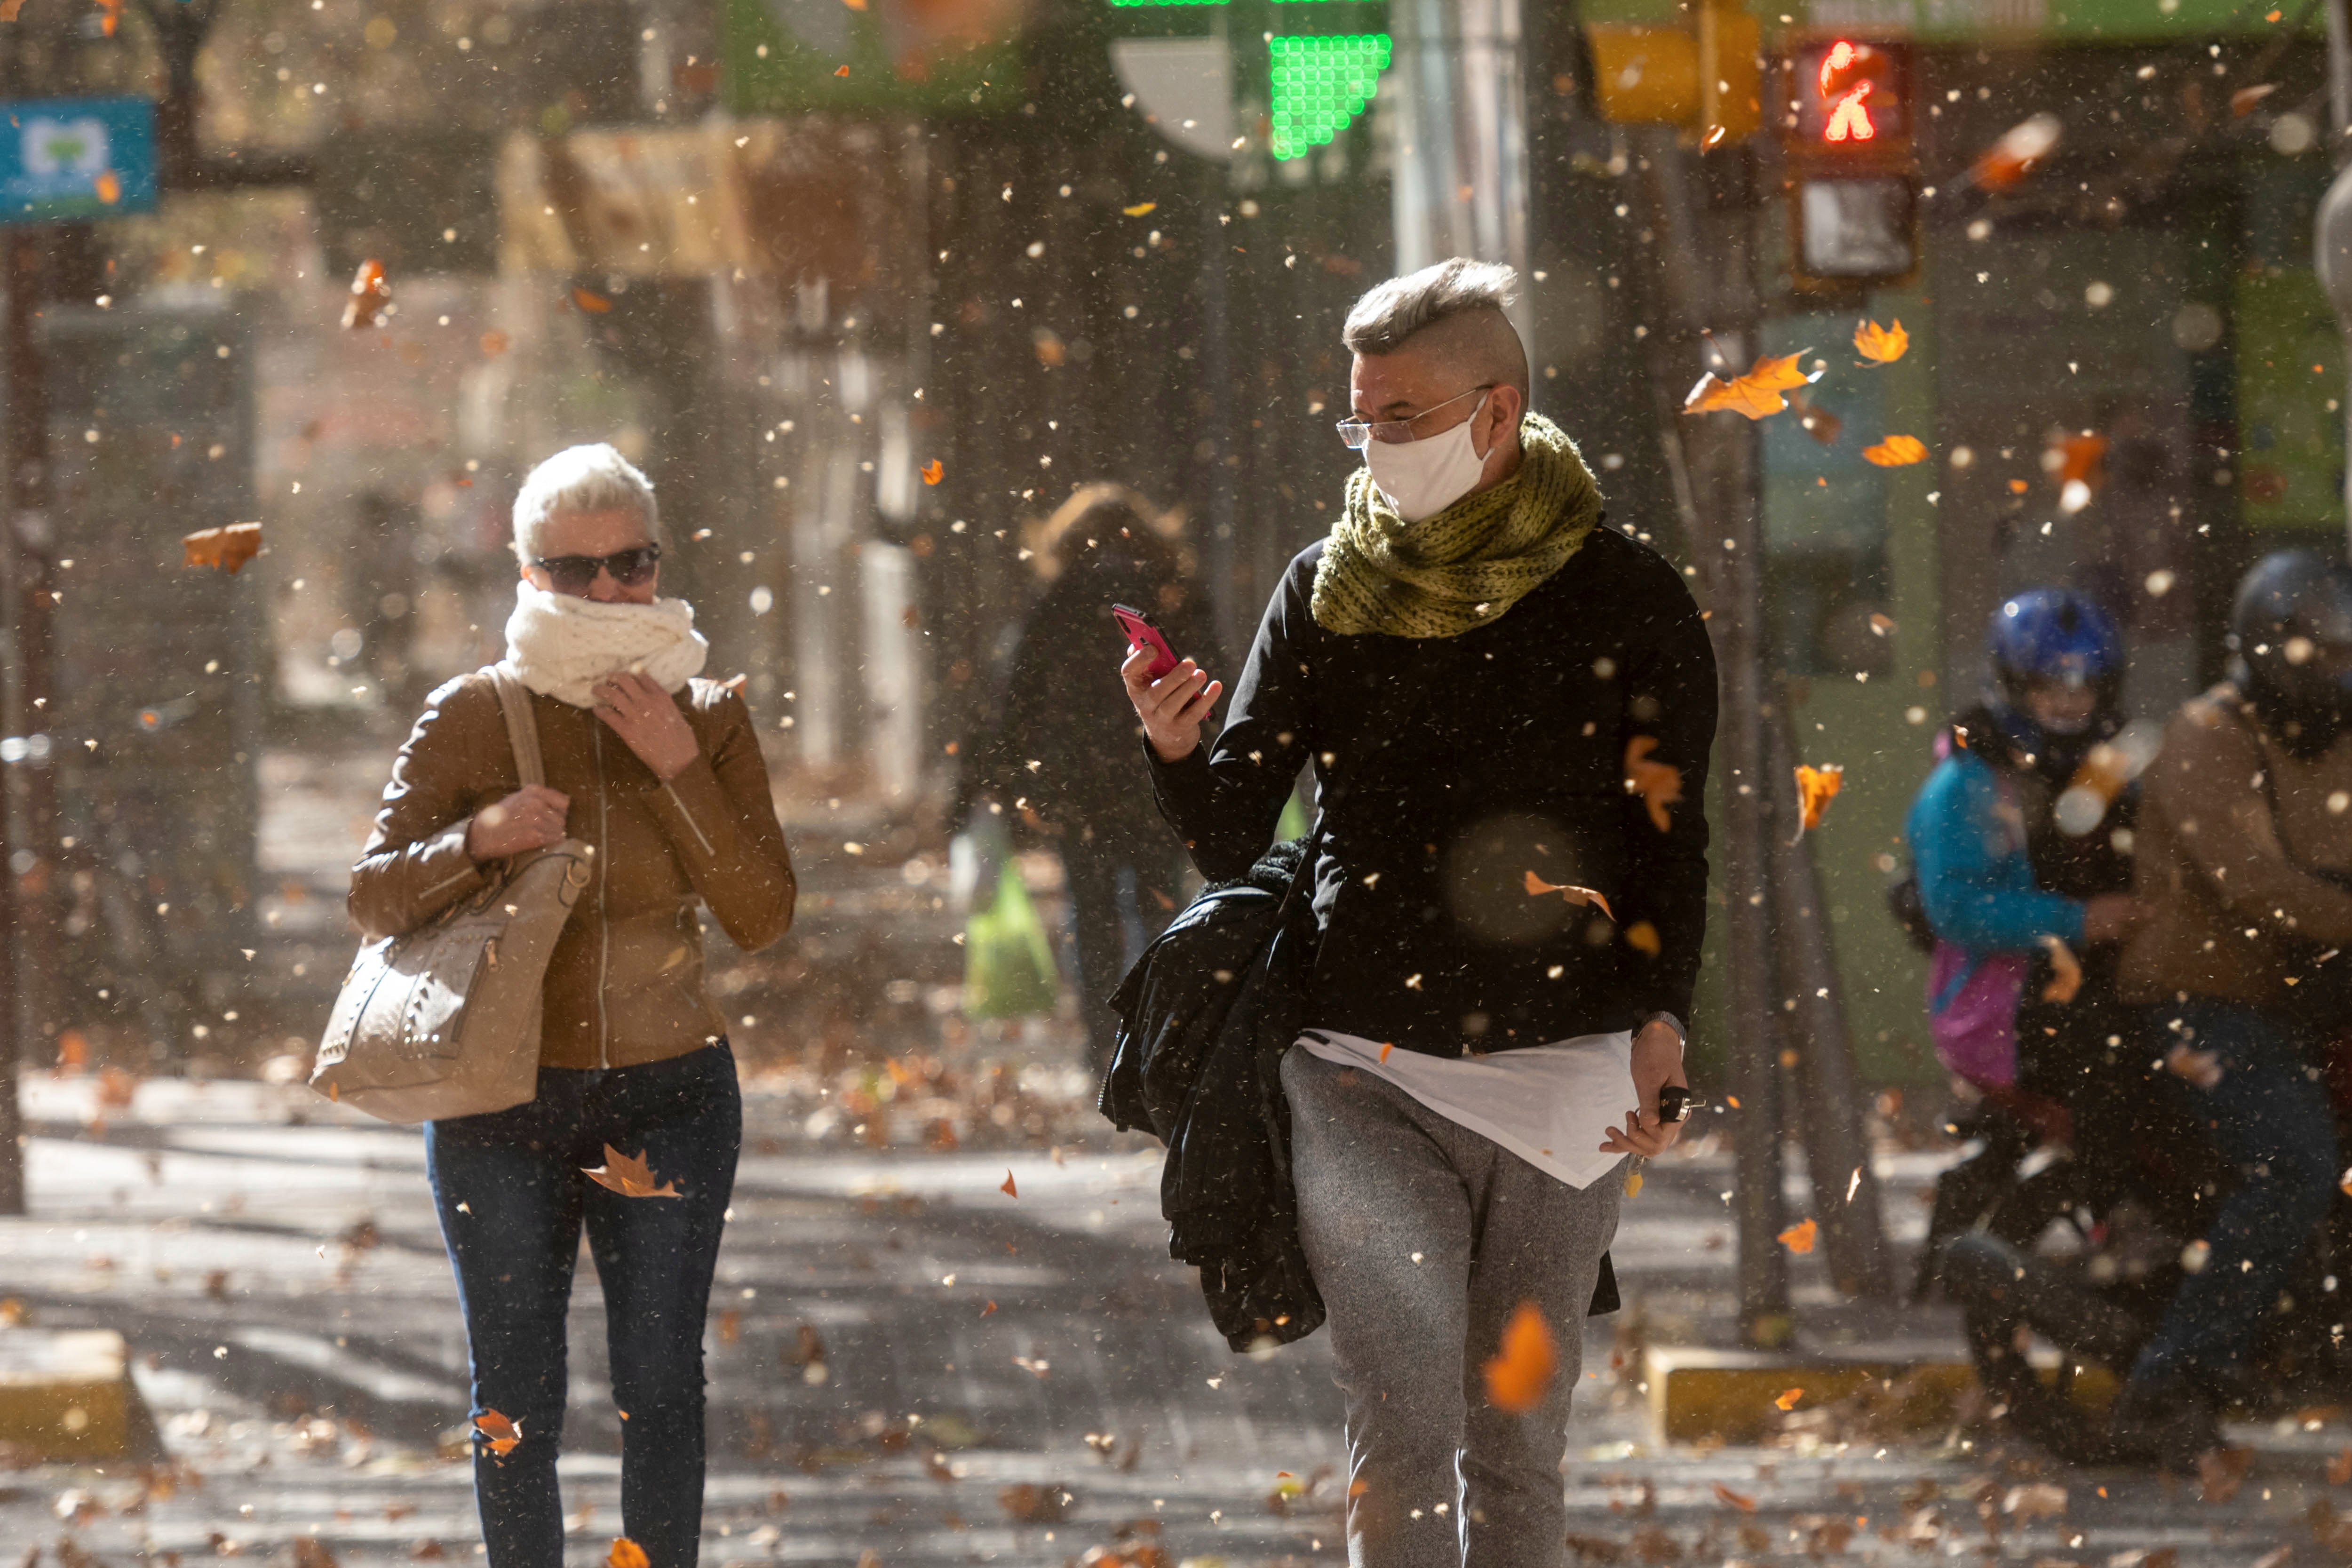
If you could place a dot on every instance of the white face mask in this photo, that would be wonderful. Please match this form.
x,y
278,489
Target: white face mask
x,y
1423,477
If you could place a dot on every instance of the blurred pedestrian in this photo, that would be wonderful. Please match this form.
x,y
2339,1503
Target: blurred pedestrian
x,y
661,774
1059,717
1474,667
2245,858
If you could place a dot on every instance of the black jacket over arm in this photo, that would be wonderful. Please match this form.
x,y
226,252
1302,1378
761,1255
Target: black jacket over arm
x,y
1517,762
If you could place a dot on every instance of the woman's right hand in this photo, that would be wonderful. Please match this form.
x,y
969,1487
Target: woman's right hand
x,y
531,819
1172,707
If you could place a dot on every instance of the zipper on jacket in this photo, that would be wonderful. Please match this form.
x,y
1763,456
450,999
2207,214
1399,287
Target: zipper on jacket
x,y
603,914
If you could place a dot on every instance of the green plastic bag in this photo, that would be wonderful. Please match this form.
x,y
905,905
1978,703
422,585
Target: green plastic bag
x,y
1008,964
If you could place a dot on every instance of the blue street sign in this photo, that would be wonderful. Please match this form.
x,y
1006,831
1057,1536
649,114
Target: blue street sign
x,y
67,159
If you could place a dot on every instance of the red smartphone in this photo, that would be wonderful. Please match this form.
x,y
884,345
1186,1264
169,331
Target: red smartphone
x,y
1141,633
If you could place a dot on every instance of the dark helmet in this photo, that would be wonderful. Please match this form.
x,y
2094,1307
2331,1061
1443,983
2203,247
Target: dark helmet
x,y
2292,609
2054,634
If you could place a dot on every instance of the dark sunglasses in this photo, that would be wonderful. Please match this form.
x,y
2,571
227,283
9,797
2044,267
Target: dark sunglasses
x,y
577,573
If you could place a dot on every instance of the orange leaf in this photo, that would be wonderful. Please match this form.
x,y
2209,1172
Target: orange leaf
x,y
1660,784
2065,973
2339,1468
1880,345
629,1177
8,9
493,344
1816,421
843,71
370,300
1526,1365
1392,1045
1724,1494
1816,788
2017,487
2022,148
627,1553
1537,887
1008,1189
1896,452
1799,1238
1642,937
114,17
2242,101
224,548
1756,395
934,471
109,185
1139,208
1788,1397
502,1434
594,304
2083,457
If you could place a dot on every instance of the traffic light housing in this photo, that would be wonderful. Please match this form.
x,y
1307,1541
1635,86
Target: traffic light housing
x,y
1851,178
1708,78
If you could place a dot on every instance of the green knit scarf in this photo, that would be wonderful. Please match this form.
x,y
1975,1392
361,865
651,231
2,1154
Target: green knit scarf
x,y
1465,566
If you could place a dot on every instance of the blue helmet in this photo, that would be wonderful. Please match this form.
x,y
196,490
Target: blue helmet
x,y
2054,634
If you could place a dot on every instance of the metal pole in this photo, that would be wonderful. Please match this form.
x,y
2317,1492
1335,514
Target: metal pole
x,y
1830,1098
24,443
1705,282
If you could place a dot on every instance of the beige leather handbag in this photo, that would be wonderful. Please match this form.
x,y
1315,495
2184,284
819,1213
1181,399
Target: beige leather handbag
x,y
445,1021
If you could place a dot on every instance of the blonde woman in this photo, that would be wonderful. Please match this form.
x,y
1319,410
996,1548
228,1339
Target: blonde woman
x,y
660,773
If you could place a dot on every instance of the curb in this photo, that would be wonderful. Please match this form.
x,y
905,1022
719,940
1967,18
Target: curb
x,y
67,1393
1721,1396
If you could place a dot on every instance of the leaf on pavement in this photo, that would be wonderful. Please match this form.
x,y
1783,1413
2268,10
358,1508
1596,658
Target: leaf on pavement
x,y
1519,1373
1880,345
2038,1500
224,548
1028,1503
629,1177
1588,897
1660,784
2222,1471
1896,452
502,1435
1800,1238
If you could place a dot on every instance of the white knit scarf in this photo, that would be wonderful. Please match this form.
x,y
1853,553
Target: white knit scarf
x,y
560,646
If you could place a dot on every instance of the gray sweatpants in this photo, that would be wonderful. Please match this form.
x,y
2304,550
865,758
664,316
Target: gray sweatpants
x,y
1425,1237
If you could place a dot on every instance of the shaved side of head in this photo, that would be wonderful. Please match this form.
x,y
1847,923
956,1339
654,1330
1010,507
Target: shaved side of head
x,y
1454,314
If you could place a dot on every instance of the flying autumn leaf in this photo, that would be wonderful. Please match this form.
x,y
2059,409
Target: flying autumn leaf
x,y
1008,1189
2339,1468
1660,784
591,302
8,9
502,1435
934,471
1815,420
841,71
108,186
1642,937
112,18
1729,1499
493,343
2065,972
1788,1397
629,1177
1896,452
2022,148
2243,102
371,301
1524,1367
1800,1238
1880,345
223,548
1139,208
1816,788
1589,897
1756,395
626,1553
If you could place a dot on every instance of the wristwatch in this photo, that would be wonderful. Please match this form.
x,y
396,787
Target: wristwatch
x,y
1682,1036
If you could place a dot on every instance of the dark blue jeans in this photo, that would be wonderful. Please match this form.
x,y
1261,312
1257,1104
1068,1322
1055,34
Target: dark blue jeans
x,y
511,1196
2271,1120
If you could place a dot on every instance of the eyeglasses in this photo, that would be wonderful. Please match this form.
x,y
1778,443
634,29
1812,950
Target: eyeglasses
x,y
1361,432
575,574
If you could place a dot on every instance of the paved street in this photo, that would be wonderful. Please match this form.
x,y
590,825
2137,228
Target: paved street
x,y
274,1262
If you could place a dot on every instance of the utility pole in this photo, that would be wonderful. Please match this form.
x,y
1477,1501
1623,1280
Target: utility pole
x,y
2332,237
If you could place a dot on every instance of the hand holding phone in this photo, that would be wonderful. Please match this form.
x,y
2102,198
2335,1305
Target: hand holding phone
x,y
1143,634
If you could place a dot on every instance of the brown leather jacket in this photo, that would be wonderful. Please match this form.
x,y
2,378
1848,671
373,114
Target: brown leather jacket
x,y
2223,877
625,985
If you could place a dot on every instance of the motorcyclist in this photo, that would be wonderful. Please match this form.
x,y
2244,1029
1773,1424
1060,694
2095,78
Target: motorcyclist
x,y
2022,894
2243,830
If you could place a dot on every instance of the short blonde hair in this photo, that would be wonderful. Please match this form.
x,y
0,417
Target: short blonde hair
x,y
591,478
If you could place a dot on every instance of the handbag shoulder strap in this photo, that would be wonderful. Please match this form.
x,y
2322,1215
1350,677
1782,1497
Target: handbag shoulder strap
x,y
522,724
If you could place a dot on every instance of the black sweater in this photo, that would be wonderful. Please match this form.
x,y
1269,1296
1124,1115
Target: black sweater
x,y
1516,763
